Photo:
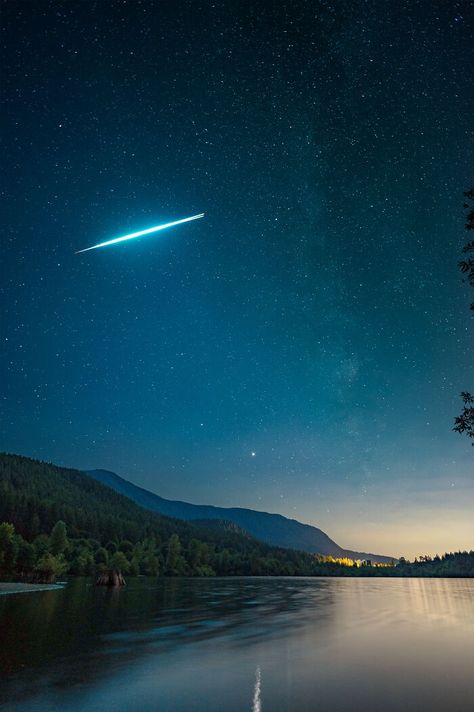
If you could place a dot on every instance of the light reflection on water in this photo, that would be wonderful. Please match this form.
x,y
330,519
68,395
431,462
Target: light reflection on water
x,y
257,702
241,644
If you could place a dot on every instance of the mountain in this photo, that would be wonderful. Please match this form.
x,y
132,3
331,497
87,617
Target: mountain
x,y
35,497
273,529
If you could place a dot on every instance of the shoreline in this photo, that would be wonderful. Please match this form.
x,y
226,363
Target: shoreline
x,y
7,587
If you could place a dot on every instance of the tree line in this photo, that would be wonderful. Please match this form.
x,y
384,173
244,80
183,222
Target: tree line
x,y
49,557
105,528
56,522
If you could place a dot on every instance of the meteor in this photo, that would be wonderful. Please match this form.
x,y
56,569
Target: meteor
x,y
142,232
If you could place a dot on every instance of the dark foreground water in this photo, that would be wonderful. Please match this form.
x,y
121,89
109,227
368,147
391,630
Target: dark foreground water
x,y
324,645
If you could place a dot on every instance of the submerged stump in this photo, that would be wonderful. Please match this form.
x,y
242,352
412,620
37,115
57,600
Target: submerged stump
x,y
112,578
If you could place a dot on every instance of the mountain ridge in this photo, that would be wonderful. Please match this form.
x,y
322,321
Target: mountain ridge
x,y
271,528
100,522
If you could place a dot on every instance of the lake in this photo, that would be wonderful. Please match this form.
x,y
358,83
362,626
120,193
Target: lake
x,y
225,644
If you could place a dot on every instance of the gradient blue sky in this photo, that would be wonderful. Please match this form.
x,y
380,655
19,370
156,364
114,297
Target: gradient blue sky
x,y
302,348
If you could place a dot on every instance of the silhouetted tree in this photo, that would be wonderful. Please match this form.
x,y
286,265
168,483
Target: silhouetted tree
x,y
175,564
8,547
119,562
49,567
101,556
467,265
25,560
150,565
464,423
58,538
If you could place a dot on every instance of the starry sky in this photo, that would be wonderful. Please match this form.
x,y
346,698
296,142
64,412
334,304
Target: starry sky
x,y
302,348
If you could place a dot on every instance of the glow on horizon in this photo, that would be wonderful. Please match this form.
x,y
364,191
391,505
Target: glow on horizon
x,y
150,230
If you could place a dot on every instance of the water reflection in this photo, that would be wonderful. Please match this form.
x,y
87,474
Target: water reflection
x,y
257,703
205,644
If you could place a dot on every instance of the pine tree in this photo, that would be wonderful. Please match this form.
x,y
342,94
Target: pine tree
x,y
58,538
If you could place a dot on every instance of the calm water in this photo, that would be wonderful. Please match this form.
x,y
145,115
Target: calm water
x,y
241,644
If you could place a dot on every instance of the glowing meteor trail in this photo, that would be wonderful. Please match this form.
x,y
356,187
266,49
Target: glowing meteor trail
x,y
142,232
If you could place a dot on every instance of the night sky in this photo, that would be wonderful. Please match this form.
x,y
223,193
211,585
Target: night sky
x,y
302,348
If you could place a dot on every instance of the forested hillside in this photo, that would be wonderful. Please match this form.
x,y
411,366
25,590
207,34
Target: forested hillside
x,y
56,521
100,524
